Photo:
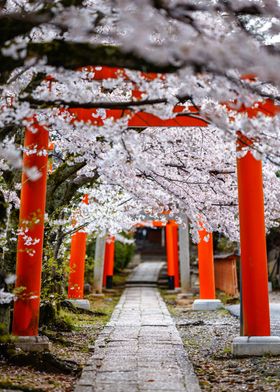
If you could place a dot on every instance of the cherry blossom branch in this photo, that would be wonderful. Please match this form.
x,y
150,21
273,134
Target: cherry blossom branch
x,y
41,103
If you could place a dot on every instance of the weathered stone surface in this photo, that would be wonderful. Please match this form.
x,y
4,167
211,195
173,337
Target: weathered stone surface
x,y
207,304
255,345
140,348
80,303
145,272
33,343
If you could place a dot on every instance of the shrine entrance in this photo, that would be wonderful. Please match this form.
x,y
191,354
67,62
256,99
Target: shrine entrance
x,y
251,212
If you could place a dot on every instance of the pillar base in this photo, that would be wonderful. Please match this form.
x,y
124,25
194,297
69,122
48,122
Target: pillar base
x,y
244,346
32,343
207,304
80,303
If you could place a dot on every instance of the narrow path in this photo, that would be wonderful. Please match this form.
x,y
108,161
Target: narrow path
x,y
145,273
140,348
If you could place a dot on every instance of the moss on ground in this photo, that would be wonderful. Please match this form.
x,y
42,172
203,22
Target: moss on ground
x,y
73,342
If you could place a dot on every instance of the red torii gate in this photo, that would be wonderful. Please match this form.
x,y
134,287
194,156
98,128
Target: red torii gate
x,y
172,254
251,209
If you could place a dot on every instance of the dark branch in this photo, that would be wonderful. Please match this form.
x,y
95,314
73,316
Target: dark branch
x,y
72,55
35,103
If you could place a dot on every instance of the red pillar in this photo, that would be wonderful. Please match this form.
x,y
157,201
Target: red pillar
x,y
256,319
77,263
176,256
109,263
171,255
206,266
30,250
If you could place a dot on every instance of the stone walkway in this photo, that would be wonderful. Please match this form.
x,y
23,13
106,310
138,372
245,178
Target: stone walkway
x,y
145,273
140,348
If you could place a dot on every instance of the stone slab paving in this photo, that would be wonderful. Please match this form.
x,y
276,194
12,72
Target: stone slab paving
x,y
140,348
146,272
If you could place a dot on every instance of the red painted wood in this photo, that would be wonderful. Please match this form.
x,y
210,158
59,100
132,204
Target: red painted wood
x,y
140,119
253,247
77,263
206,266
29,256
109,259
176,256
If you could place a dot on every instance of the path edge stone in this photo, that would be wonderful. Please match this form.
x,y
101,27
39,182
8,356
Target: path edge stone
x,y
191,380
87,382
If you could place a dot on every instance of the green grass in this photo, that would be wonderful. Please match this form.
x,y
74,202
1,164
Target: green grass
x,y
227,299
223,312
119,280
227,350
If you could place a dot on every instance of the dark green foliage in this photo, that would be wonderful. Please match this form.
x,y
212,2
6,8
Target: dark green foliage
x,y
89,267
123,255
223,245
54,318
3,210
48,313
4,319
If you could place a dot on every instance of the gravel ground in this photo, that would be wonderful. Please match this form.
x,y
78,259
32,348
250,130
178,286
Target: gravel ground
x,y
207,337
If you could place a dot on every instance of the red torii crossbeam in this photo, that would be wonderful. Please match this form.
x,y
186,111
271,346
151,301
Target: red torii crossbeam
x,y
140,119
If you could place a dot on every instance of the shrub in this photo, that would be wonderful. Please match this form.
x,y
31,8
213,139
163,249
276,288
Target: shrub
x,y
123,255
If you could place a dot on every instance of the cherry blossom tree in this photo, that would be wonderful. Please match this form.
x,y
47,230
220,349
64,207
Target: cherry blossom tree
x,y
212,60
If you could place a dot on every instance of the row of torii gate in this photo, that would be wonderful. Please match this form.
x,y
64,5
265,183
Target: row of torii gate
x,y
255,304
